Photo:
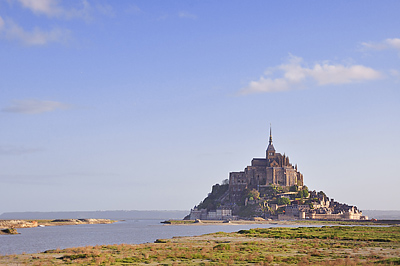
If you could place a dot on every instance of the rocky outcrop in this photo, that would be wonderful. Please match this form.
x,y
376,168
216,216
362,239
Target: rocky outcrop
x,y
9,231
17,224
81,221
7,227
27,223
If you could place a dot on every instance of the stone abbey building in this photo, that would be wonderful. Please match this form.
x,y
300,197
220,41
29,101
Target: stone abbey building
x,y
274,169
274,178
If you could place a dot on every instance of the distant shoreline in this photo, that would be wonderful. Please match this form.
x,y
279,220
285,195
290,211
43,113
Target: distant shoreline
x,y
13,224
282,222
113,215
147,215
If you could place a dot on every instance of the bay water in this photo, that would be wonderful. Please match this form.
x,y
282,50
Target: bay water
x,y
39,239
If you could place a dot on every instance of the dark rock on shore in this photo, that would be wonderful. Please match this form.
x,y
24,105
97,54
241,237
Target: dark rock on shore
x,y
9,231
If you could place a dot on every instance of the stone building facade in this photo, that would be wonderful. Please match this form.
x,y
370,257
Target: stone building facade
x,y
274,169
218,214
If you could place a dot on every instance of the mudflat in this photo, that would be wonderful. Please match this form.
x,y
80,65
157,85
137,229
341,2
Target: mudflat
x,y
328,245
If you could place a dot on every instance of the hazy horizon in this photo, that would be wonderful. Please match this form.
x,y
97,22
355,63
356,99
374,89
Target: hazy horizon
x,y
147,104
148,214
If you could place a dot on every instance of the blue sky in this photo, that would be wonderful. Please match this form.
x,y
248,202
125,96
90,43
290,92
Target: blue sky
x,y
110,105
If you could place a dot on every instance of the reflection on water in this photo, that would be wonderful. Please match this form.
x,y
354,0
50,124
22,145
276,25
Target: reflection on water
x,y
39,239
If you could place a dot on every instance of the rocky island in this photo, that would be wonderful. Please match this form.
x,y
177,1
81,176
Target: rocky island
x,y
270,188
9,226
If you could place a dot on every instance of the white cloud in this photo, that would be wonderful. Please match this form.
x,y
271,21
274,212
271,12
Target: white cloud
x,y
296,74
267,85
34,106
48,7
393,43
12,31
339,74
52,8
184,14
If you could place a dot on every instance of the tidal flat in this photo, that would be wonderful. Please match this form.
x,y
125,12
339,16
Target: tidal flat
x,y
327,245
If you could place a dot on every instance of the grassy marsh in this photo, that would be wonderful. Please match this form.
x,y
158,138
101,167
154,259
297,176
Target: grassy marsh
x,y
329,245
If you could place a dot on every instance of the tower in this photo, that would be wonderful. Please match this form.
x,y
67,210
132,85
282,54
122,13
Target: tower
x,y
270,149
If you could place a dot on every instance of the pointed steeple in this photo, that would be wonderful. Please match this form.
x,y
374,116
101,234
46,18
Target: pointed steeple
x,y
270,149
270,134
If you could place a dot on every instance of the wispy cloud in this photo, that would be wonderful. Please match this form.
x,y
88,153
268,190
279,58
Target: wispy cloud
x,y
34,106
386,44
395,74
1,23
295,74
17,150
184,14
105,9
133,9
36,36
52,8
47,7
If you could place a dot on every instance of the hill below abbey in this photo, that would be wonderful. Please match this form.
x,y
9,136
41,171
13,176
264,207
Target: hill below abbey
x,y
270,188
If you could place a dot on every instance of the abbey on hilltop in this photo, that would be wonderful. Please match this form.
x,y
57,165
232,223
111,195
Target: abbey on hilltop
x,y
274,169
272,188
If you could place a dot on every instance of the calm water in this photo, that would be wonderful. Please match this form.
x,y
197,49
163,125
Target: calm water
x,y
38,239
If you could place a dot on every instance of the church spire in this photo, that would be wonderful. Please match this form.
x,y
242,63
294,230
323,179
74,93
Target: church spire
x,y
270,149
270,134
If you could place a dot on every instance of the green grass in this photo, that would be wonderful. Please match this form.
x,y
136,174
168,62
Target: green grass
x,y
357,233
329,245
391,261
